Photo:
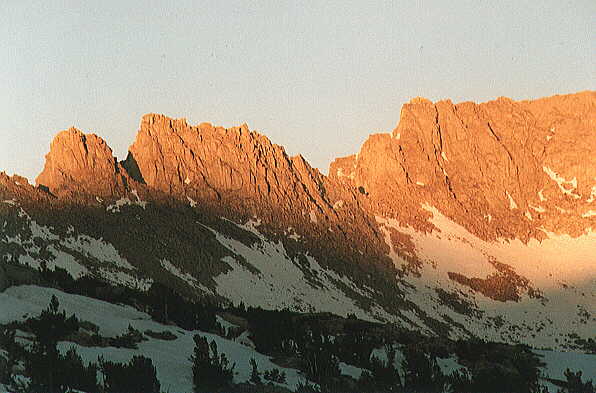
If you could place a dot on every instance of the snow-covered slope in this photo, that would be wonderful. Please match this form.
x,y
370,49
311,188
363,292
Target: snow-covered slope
x,y
277,281
556,362
260,273
24,240
537,293
171,358
551,284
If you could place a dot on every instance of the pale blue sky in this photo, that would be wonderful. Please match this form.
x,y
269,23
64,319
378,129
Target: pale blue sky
x,y
315,77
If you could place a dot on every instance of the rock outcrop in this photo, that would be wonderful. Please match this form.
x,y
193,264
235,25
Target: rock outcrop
x,y
213,163
503,169
240,174
81,164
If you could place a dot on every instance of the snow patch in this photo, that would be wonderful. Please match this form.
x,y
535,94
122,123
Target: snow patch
x,y
98,249
340,173
139,202
186,277
291,234
125,201
592,197
512,204
541,196
351,371
561,181
191,201
67,262
251,225
226,326
126,279
244,339
450,365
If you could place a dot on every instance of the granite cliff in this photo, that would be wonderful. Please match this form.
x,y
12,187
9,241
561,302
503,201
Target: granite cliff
x,y
502,169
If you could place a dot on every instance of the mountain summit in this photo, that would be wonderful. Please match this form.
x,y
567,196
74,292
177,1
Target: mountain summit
x,y
81,164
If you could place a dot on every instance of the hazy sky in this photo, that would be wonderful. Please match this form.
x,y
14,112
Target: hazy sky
x,y
316,77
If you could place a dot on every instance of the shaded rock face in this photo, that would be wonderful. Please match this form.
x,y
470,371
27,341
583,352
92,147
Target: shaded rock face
x,y
80,164
502,169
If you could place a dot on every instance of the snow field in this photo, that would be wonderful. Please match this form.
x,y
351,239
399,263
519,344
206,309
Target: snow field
x,y
171,358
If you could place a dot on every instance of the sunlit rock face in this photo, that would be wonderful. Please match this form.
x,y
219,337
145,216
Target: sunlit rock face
x,y
503,169
81,164
467,219
240,174
230,166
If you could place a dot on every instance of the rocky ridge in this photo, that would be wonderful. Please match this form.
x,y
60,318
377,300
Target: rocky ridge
x,y
234,173
192,197
503,169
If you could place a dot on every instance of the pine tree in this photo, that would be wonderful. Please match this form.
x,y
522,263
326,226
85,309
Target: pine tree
x,y
76,375
14,350
210,369
274,375
575,384
255,376
44,362
48,370
383,376
422,373
137,376
319,360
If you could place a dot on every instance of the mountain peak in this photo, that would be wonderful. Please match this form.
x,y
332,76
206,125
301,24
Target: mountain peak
x,y
207,162
420,100
80,163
